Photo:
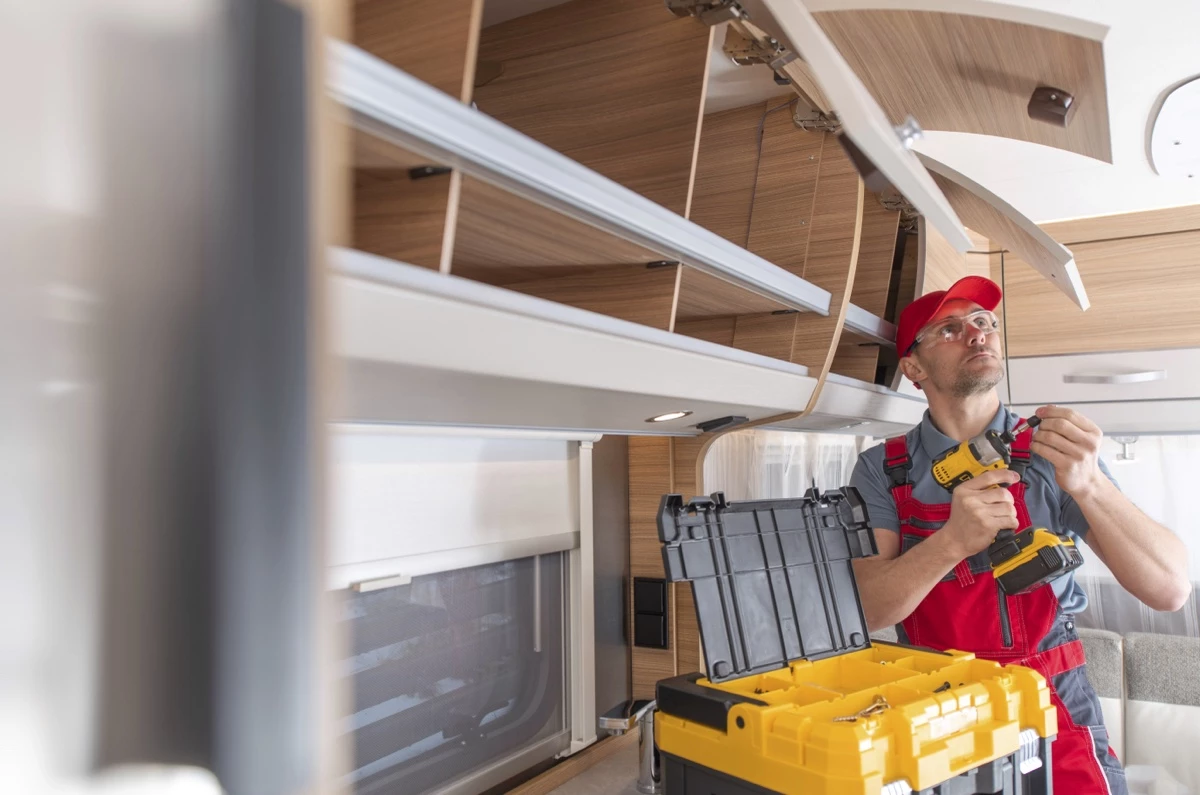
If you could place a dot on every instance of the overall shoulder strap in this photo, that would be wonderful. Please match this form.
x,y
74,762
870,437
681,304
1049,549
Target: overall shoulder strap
x,y
1021,458
897,463
1021,455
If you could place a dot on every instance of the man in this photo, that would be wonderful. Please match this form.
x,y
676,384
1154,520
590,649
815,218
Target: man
x,y
932,575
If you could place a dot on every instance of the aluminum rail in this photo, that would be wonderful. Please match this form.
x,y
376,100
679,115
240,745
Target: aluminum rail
x,y
390,104
864,324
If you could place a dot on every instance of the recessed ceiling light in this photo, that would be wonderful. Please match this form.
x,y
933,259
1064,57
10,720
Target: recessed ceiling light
x,y
670,415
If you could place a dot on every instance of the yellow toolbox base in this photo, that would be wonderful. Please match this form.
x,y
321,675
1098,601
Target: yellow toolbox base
x,y
945,714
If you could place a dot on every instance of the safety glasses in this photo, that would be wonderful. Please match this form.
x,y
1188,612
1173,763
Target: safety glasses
x,y
951,329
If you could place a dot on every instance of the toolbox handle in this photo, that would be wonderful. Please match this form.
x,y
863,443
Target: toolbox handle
x,y
672,506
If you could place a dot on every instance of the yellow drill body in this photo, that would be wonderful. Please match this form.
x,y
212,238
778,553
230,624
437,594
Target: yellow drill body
x,y
1021,561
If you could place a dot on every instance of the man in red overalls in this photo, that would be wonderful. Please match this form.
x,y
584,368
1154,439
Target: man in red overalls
x,y
932,576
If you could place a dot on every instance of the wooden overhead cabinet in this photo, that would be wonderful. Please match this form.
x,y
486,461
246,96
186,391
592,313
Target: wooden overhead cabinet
x,y
1130,360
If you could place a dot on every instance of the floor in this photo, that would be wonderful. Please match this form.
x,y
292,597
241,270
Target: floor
x,y
616,775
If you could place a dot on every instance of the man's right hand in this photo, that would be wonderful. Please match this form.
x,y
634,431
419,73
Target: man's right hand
x,y
978,512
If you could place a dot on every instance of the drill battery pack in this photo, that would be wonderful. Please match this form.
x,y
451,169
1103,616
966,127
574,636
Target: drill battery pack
x,y
797,698
1025,561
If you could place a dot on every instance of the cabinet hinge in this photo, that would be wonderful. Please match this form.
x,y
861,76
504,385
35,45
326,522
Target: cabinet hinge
x,y
815,120
710,12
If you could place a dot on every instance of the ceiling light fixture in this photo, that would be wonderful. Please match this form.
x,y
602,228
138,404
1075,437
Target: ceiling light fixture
x,y
670,415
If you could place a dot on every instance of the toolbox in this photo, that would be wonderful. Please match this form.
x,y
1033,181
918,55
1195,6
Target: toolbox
x,y
798,698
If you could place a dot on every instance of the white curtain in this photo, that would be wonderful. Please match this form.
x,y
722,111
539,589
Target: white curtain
x,y
763,465
1160,475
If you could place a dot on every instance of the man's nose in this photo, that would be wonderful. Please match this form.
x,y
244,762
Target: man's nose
x,y
975,335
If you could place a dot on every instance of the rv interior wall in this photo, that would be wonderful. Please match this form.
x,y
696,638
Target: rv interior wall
x,y
610,539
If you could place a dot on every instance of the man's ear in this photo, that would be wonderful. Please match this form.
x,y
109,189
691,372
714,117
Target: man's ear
x,y
912,370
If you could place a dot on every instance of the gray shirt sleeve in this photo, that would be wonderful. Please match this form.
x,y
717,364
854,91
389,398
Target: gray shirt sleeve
x,y
1071,515
869,479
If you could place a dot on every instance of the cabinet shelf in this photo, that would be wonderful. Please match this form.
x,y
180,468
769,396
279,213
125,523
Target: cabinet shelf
x,y
395,107
848,405
872,327
420,347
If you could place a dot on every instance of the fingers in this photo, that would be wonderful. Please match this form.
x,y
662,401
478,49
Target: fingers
x,y
993,477
1069,415
1058,426
1055,455
1053,441
1008,522
997,497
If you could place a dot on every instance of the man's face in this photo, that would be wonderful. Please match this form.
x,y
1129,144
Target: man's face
x,y
968,366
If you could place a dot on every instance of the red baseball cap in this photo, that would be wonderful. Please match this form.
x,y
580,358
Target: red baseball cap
x,y
917,315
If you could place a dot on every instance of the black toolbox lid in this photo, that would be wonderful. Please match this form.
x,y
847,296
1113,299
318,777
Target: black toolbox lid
x,y
772,579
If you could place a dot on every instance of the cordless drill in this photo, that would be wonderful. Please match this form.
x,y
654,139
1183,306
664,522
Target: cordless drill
x,y
1021,561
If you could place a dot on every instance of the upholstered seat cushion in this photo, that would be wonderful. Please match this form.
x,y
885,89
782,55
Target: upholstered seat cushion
x,y
1162,706
1106,671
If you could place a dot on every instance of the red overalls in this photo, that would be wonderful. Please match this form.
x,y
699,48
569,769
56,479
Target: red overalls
x,y
968,611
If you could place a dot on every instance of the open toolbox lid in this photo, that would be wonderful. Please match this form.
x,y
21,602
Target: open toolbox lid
x,y
772,579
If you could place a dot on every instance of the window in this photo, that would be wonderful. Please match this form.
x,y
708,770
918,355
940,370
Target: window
x,y
455,672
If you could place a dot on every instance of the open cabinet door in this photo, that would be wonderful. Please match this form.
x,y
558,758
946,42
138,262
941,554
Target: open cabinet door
x,y
874,144
991,215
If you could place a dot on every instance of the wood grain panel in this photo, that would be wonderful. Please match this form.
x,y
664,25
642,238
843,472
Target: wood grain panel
x,y
570,767
703,296
999,228
684,478
910,270
648,667
376,154
616,86
629,292
766,334
650,465
974,74
500,231
980,243
438,48
873,277
983,210
412,221
856,359
1113,227
649,479
402,218
995,272
687,631
978,263
1144,294
872,282
784,193
780,220
685,453
718,329
834,245
726,167
942,265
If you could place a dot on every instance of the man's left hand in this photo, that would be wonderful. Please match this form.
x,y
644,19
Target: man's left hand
x,y
1071,442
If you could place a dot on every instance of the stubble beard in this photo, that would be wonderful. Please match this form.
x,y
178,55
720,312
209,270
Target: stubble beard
x,y
970,384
